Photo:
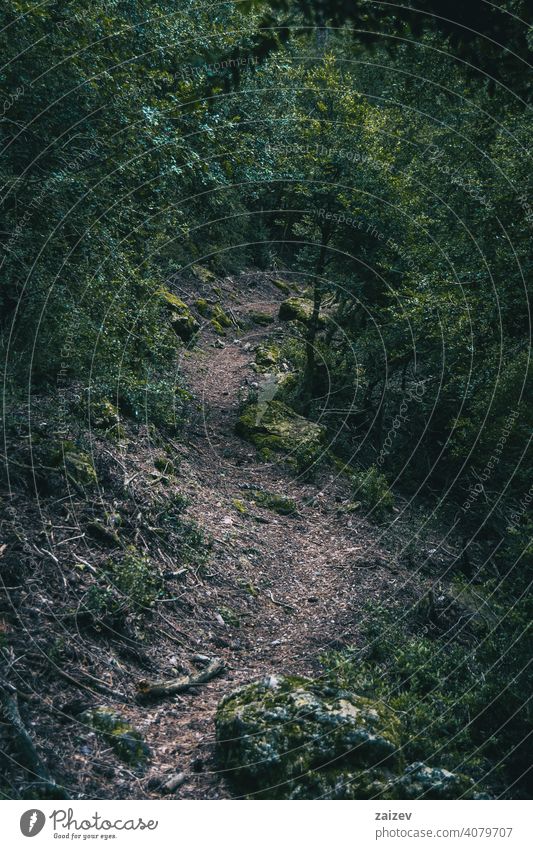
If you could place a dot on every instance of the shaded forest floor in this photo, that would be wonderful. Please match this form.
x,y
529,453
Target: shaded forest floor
x,y
271,595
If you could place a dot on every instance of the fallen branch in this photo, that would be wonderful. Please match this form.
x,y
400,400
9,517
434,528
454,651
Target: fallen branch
x,y
160,689
94,686
279,603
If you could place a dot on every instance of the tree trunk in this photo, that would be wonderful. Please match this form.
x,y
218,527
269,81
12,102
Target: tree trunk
x,y
312,330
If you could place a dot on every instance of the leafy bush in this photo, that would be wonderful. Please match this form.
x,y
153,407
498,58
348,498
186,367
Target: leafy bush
x,y
135,577
463,706
372,489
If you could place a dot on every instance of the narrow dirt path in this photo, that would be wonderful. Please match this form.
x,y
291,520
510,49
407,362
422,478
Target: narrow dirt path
x,y
284,589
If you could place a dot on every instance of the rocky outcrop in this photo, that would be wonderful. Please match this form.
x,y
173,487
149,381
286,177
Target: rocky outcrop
x,y
293,738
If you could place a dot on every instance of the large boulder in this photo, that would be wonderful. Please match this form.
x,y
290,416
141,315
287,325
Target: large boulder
x,y
183,322
292,738
296,309
273,426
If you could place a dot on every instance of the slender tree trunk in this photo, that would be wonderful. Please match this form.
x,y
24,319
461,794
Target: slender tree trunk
x,y
312,330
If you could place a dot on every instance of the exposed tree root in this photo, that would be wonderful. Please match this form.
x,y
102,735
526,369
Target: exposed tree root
x,y
29,757
160,689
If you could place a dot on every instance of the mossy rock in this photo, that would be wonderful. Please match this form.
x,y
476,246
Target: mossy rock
x,y
423,782
267,356
204,275
273,426
65,456
80,469
282,286
297,309
119,734
292,738
202,306
272,501
220,321
261,318
183,322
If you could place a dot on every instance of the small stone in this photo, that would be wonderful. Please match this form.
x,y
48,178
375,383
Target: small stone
x,y
173,782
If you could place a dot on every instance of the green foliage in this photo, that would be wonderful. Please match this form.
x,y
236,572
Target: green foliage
x,y
372,489
135,577
464,706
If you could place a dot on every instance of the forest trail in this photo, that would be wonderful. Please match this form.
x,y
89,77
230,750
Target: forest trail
x,y
282,589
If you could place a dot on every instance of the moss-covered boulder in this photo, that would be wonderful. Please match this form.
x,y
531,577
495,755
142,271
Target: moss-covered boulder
x,y
267,355
202,306
423,782
183,322
66,458
220,321
293,738
295,309
273,501
261,318
119,734
273,426
79,467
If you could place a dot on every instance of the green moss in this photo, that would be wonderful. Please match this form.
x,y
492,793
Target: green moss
x,y
136,578
104,414
230,616
371,487
261,318
80,468
273,426
272,501
66,456
204,275
220,316
119,734
165,465
295,738
183,322
267,355
217,327
296,309
202,306
249,588
240,506
282,286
